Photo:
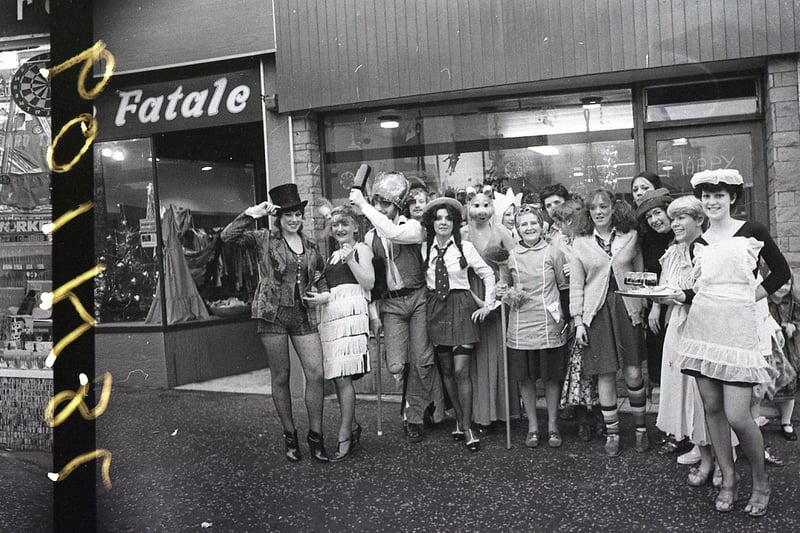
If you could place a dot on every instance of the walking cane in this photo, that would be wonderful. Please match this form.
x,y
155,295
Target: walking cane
x,y
378,381
505,374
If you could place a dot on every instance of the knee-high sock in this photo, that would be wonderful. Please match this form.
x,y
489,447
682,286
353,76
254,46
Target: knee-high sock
x,y
638,398
611,419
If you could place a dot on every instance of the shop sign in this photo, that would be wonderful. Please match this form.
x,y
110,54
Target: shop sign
x,y
23,228
229,98
24,17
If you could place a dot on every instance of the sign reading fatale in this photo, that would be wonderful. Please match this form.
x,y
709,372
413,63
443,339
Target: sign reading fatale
x,y
228,98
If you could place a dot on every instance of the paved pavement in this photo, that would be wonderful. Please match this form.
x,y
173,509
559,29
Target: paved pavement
x,y
212,461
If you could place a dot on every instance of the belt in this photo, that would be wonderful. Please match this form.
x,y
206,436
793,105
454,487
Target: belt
x,y
405,291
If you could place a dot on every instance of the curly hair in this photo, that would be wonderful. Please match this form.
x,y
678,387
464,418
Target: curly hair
x,y
428,218
622,214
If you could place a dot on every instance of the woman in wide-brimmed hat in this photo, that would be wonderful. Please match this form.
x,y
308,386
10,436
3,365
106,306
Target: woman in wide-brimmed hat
x,y
291,280
452,311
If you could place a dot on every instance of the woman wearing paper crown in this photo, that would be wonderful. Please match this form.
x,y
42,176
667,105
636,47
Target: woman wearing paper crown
x,y
722,343
290,271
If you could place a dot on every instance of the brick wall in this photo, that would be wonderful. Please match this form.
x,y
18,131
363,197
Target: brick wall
x,y
308,170
22,404
783,154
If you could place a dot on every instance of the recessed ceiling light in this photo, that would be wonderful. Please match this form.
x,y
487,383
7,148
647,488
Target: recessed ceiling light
x,y
118,155
206,168
106,152
389,122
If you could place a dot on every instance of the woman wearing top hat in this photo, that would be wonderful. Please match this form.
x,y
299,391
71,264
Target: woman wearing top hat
x,y
451,309
291,281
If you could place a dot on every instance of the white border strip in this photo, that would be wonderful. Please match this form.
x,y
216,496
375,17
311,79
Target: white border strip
x,y
291,147
190,63
264,115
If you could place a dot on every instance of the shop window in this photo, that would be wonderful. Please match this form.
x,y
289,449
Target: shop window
x,y
190,184
581,140
25,252
702,100
125,230
206,177
681,157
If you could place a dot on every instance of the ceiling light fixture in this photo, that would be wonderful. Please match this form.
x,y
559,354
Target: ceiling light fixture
x,y
544,150
591,102
206,168
389,122
118,155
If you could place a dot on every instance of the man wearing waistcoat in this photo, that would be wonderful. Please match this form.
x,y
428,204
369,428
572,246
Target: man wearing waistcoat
x,y
395,241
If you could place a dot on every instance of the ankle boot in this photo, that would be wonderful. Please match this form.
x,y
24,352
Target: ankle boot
x,y
292,449
317,447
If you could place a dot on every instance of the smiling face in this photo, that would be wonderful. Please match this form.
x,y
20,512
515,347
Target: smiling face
x,y
509,216
343,229
717,204
639,187
291,221
529,228
686,228
443,224
600,210
658,220
417,199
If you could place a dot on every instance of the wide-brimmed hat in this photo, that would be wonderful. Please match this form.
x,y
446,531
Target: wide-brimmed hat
x,y
286,198
441,201
652,199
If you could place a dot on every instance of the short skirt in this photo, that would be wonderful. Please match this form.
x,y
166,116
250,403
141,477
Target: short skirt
x,y
614,342
547,364
721,341
450,321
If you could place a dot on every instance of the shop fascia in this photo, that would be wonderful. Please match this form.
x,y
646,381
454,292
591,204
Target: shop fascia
x,y
182,104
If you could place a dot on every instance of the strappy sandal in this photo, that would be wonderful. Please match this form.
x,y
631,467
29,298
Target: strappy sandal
x,y
458,433
758,502
473,443
554,439
726,499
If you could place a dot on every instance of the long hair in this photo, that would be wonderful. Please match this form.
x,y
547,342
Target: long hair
x,y
622,214
279,221
428,218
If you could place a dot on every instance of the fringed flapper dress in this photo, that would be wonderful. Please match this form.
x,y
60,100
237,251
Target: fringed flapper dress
x,y
344,326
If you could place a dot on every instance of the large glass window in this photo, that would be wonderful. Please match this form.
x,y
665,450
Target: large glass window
x,y
581,140
188,185
25,252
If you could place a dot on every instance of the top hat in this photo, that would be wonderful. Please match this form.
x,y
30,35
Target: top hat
x,y
286,198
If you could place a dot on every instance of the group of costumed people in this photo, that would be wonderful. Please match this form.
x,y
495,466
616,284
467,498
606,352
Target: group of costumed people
x,y
457,290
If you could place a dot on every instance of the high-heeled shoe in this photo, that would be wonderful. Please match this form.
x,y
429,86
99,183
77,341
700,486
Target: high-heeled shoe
x,y
458,433
726,499
758,502
473,443
317,447
290,446
342,455
356,436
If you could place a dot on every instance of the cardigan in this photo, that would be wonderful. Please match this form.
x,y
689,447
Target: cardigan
x,y
590,268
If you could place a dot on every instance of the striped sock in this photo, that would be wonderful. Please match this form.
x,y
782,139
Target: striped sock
x,y
638,398
611,419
